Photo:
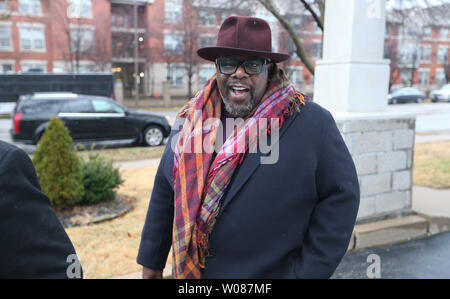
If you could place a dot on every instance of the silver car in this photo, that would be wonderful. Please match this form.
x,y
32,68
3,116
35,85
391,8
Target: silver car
x,y
442,94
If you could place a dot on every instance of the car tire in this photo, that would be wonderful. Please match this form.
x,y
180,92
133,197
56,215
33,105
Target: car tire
x,y
394,101
153,136
418,100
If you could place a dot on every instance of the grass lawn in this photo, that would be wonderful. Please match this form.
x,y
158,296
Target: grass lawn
x,y
126,153
432,164
110,248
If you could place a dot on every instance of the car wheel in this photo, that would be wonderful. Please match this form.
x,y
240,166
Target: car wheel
x,y
394,101
153,136
418,100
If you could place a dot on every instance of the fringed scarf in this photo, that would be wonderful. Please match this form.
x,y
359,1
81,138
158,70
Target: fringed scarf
x,y
199,183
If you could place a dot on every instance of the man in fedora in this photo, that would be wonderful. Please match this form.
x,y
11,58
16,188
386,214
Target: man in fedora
x,y
225,213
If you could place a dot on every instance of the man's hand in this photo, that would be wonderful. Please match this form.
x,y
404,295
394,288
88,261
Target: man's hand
x,y
151,274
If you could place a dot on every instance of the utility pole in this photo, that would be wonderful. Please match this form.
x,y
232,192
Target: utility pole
x,y
136,54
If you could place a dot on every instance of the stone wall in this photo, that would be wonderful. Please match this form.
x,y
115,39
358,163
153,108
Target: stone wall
x,y
382,149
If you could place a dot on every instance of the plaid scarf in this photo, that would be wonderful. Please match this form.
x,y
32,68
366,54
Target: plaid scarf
x,y
199,182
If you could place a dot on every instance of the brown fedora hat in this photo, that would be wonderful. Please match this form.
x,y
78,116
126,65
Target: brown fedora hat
x,y
243,36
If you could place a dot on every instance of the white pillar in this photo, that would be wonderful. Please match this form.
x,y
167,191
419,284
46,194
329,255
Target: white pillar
x,y
352,75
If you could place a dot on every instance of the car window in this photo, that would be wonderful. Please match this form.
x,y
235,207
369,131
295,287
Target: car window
x,y
446,87
101,106
41,107
80,106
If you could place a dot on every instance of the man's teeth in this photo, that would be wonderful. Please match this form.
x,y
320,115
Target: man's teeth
x,y
239,88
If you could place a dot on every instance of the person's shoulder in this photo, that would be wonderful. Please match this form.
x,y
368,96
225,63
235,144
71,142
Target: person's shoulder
x,y
7,148
313,113
9,152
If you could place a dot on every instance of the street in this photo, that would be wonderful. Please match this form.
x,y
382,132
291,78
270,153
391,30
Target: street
x,y
431,117
424,258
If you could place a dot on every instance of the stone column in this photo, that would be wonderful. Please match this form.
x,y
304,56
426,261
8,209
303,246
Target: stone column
x,y
351,81
167,94
118,90
353,76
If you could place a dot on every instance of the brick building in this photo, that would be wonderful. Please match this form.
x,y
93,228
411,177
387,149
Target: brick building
x,y
98,36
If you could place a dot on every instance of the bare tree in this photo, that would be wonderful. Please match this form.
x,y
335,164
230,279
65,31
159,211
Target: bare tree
x,y
190,41
316,8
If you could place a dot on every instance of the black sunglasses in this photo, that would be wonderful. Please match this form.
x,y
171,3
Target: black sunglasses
x,y
229,66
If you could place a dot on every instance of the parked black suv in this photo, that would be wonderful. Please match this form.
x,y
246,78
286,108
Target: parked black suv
x,y
88,118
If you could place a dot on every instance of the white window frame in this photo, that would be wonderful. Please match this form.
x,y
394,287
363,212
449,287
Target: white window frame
x,y
424,48
444,32
427,81
207,18
175,74
4,62
207,36
32,26
5,9
205,68
10,47
28,7
174,46
82,29
440,80
80,9
33,64
442,54
172,11
314,53
297,79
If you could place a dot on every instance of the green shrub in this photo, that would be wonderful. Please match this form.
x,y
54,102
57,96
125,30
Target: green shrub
x,y
100,179
58,167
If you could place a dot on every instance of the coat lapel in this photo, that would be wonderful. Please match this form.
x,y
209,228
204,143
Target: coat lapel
x,y
249,166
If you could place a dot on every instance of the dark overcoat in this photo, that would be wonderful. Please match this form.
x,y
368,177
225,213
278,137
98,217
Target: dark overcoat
x,y
33,243
290,219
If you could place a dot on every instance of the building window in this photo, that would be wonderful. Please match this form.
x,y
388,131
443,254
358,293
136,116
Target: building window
x,y
6,68
173,43
440,77
425,53
207,18
317,49
423,77
294,75
5,38
80,8
405,76
427,32
32,39
408,54
175,75
30,7
81,39
442,54
34,66
3,5
172,11
444,33
207,41
205,72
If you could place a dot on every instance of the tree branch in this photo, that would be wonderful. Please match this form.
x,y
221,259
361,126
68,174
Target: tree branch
x,y
268,4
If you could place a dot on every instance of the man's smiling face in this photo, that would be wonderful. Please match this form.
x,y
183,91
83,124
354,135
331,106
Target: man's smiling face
x,y
242,92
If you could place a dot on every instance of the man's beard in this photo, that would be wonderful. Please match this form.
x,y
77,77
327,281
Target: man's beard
x,y
237,110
